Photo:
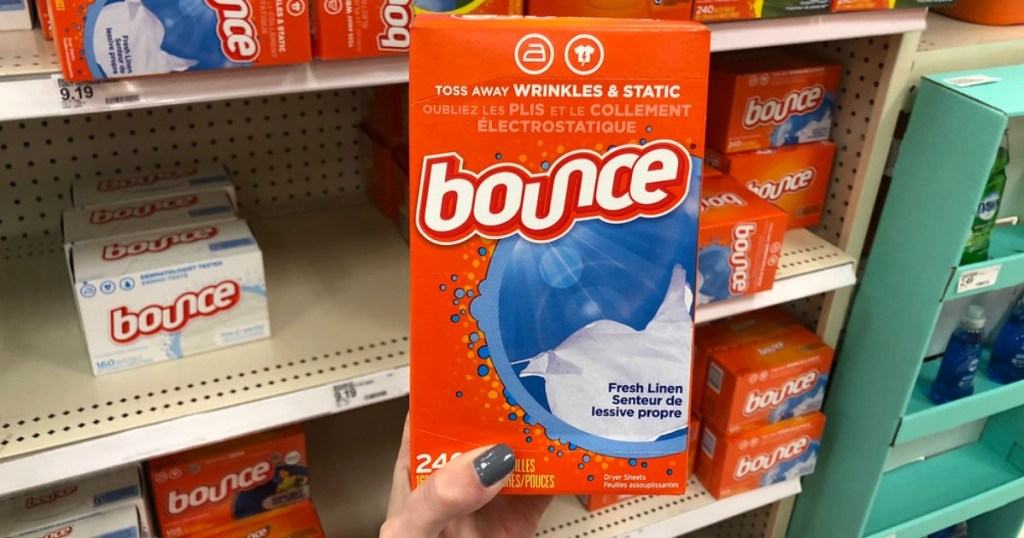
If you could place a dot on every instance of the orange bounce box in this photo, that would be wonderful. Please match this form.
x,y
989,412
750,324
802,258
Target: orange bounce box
x,y
766,382
859,5
297,520
735,332
555,174
758,458
769,98
794,178
740,241
345,29
213,486
101,39
730,10
626,9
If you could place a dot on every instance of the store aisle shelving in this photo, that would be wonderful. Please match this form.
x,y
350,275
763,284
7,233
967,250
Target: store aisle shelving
x,y
29,69
338,283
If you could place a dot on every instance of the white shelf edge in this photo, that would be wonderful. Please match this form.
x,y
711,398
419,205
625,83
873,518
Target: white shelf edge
x,y
190,431
718,511
809,266
785,290
39,96
794,30
177,428
36,95
665,516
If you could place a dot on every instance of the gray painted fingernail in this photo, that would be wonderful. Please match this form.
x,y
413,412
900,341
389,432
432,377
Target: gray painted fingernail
x,y
495,464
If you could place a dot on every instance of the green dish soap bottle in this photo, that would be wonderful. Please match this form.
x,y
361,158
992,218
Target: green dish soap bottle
x,y
988,207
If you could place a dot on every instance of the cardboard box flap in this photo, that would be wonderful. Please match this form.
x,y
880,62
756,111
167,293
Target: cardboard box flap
x,y
70,500
161,249
721,195
98,222
1001,88
152,184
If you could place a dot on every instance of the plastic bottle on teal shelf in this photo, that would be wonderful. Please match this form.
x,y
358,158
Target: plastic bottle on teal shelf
x,y
963,353
985,216
1006,364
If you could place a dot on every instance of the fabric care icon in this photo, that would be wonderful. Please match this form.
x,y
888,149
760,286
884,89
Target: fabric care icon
x,y
612,310
584,54
534,54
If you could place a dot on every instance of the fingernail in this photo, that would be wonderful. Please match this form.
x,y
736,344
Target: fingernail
x,y
495,464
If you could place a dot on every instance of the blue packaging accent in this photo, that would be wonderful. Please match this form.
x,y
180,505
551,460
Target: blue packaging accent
x,y
215,210
127,532
794,130
803,404
289,484
233,243
598,273
117,495
715,271
12,5
788,470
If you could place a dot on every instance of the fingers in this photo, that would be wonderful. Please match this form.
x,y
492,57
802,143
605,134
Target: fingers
x,y
461,487
400,478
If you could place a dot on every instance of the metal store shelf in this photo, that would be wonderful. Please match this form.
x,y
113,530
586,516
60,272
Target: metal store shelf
x,y
338,283
357,506
29,68
656,516
808,266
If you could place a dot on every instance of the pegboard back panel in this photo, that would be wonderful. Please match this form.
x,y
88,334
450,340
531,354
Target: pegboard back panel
x,y
277,149
863,63
753,524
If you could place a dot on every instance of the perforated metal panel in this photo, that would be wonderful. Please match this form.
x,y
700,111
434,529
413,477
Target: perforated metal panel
x,y
25,52
277,149
753,524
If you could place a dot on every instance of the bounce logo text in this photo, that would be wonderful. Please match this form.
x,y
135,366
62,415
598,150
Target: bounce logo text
x,y
623,184
774,111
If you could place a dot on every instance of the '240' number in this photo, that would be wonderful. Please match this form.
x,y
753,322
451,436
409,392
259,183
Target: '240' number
x,y
428,463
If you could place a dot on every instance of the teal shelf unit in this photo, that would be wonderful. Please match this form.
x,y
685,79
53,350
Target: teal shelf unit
x,y
923,417
877,401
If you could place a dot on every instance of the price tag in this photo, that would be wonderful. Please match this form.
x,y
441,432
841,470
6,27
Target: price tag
x,y
370,389
978,279
972,80
345,394
98,95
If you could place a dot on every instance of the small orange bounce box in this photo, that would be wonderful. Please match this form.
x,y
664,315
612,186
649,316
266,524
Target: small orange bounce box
x,y
103,39
757,458
740,241
210,487
624,9
766,382
297,520
555,180
769,98
733,332
732,10
794,178
346,29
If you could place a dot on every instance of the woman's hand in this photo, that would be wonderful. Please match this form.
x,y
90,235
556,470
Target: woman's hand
x,y
461,499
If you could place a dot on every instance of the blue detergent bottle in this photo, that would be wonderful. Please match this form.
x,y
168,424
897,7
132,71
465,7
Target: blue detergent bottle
x,y
963,353
1006,364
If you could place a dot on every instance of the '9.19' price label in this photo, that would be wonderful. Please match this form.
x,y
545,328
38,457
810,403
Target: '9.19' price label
x,y
96,95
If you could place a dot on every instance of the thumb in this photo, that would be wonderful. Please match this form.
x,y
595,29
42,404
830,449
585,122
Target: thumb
x,y
461,487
